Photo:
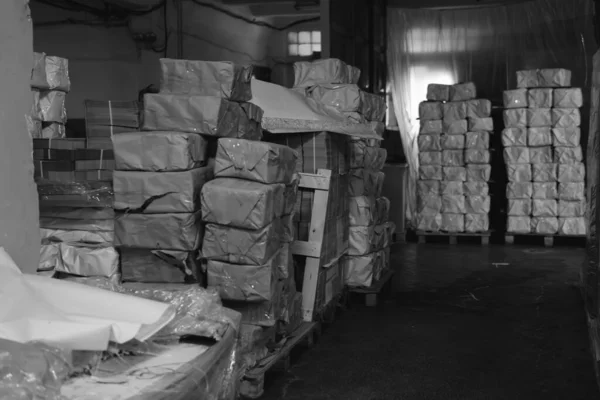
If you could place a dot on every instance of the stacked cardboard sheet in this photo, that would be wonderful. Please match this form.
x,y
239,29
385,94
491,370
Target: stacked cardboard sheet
x,y
103,119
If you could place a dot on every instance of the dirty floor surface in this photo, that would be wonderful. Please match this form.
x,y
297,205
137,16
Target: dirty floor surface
x,y
457,327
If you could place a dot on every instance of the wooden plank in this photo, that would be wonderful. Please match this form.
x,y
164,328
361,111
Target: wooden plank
x,y
307,249
313,181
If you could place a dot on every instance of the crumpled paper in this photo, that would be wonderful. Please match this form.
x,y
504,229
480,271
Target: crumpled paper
x,y
512,137
539,98
50,73
568,98
516,98
519,207
519,190
79,259
49,106
545,172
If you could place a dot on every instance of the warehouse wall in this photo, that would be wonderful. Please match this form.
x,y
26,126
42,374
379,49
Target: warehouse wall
x,y
19,227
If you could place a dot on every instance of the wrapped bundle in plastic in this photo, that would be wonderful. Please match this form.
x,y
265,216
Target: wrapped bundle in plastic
x,y
519,172
451,188
429,204
325,71
538,117
453,204
554,77
477,156
105,238
481,124
364,156
430,142
512,137
363,182
431,223
572,191
571,209
428,187
477,204
540,155
516,155
349,98
438,92
568,98
568,137
50,73
362,271
454,174
363,211
479,172
545,190
153,266
430,111
479,108
285,265
364,240
477,140
206,78
453,158
454,111
80,259
452,142
49,106
476,188
288,228
75,194
240,203
528,78
566,117
250,122
515,117
477,223
568,155
571,172
431,127
516,98
463,91
459,127
248,283
546,172
382,210
453,223
539,98
519,190
432,172
572,226
537,137
544,225
518,224
544,208
256,161
34,127
290,194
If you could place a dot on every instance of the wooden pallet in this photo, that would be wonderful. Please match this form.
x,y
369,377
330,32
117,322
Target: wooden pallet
x,y
252,386
378,289
453,236
509,238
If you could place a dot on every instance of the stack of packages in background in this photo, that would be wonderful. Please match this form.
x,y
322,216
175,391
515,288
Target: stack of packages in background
x,y
546,192
454,158
248,254
103,119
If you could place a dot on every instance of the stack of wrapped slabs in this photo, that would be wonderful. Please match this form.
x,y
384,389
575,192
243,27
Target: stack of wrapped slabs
x,y
454,158
103,119
49,85
543,154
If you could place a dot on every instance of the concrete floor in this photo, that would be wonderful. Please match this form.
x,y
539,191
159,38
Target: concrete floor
x,y
457,327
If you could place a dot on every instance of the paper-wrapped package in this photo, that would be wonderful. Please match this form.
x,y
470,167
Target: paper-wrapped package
x,y
361,271
453,158
518,224
349,98
50,73
481,124
571,172
572,191
325,71
566,117
571,209
240,203
539,98
516,155
479,108
451,188
540,155
453,204
431,172
514,137
452,142
250,122
51,130
477,204
206,78
454,111
438,92
290,195
477,140
519,207
105,238
568,98
430,142
477,223
538,117
34,127
516,98
431,127
49,106
363,211
288,229
519,172
545,190
568,155
241,246
545,172
528,78
428,187
544,208
81,260
383,210
430,111
177,231
477,156
364,239
567,137
430,223
544,225
77,219
159,192
541,136
519,190
248,283
463,91
515,117
430,158
572,226
256,161
363,156
476,188
363,182
479,172
153,266
429,204
459,127
554,77
453,223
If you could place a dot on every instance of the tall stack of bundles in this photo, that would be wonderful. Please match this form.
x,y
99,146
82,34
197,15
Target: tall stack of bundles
x,y
49,84
454,158
103,119
543,154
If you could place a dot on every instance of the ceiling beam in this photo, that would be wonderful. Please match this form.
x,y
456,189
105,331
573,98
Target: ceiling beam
x,y
284,9
448,4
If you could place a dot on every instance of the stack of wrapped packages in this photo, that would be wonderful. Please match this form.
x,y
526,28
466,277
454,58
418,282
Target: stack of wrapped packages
x,y
543,155
103,119
246,242
454,158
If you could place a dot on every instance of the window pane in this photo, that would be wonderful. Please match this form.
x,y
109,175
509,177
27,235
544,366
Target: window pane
x,y
293,49
293,37
316,48
304,37
316,36
305,50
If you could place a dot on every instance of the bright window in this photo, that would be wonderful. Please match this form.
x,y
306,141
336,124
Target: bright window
x,y
304,43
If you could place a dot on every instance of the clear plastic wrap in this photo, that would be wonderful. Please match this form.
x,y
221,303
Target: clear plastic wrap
x,y
477,204
463,91
49,106
453,223
518,224
545,190
325,71
452,142
240,282
363,211
430,111
568,98
571,172
438,92
479,172
517,155
479,108
566,117
451,188
425,187
519,172
429,143
568,155
75,194
516,98
571,209
519,190
453,204
477,156
454,174
454,111
567,137
459,127
519,207
547,172
476,188
477,223
477,140
432,172
537,137
431,127
430,158
431,223
453,158
515,118
481,124
544,208
79,259
539,98
50,73
544,225
514,137
153,266
540,155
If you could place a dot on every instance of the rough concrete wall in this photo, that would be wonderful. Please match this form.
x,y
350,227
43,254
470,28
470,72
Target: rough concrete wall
x,y
19,215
